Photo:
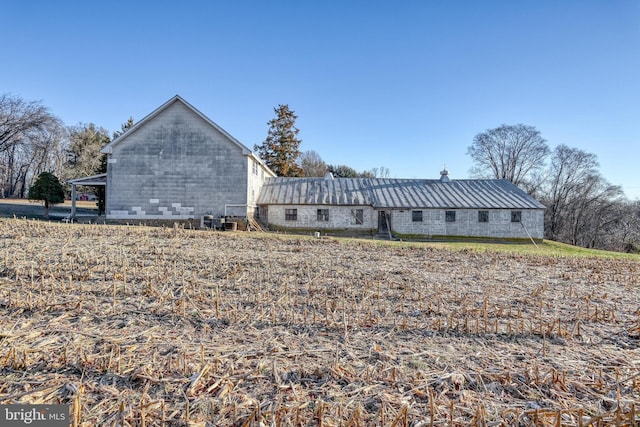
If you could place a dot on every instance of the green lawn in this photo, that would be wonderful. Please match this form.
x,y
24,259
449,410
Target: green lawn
x,y
545,248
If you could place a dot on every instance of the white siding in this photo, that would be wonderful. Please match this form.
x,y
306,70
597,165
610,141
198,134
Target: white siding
x,y
256,175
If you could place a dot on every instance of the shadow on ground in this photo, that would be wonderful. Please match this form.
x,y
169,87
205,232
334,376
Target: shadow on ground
x,y
21,208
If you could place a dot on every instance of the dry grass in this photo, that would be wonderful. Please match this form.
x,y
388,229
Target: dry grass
x,y
150,326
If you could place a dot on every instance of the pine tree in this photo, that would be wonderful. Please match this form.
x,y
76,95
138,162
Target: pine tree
x,y
48,189
281,149
123,128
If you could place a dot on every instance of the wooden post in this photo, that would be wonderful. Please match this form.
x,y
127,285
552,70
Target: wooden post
x,y
73,200
527,231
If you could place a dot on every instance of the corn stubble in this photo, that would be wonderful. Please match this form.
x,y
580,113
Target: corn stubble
x,y
164,326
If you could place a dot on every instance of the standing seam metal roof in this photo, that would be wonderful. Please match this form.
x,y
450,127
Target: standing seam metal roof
x,y
397,193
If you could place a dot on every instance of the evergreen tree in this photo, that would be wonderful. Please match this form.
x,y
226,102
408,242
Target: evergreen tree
x,y
48,189
123,128
281,149
344,171
101,191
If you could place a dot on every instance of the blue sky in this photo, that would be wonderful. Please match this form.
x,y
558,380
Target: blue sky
x,y
404,84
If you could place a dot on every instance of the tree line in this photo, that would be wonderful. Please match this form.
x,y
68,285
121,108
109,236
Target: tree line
x,y
582,207
33,141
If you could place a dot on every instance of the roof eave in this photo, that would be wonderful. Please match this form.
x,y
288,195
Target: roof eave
x,y
89,180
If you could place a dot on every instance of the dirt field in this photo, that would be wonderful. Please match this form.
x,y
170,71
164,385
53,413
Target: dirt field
x,y
161,326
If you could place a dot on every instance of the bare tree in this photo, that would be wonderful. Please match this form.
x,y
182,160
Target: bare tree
x,y
594,215
30,138
582,207
381,172
569,170
312,164
41,153
18,119
512,152
628,235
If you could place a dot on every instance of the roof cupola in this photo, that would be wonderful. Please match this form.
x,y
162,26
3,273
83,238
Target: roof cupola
x,y
444,174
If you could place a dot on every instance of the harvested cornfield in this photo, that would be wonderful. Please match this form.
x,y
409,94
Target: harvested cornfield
x,y
164,326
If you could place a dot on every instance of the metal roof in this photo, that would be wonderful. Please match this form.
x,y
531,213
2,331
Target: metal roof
x,y
397,193
100,180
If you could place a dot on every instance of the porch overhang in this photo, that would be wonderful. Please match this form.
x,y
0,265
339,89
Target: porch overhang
x,y
99,180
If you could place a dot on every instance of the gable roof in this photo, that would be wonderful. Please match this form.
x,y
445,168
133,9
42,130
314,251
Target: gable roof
x,y
397,193
107,149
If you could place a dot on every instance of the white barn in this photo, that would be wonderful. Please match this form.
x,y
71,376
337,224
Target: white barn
x,y
177,164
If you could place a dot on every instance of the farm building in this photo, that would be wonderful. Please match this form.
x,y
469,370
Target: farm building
x,y
178,164
411,207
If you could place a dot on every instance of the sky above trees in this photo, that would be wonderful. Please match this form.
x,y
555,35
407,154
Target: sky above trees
x,y
404,85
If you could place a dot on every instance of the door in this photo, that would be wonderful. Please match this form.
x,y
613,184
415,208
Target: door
x,y
383,222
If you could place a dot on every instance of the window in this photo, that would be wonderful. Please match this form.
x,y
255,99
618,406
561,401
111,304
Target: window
x,y
291,214
516,216
255,167
358,216
416,216
450,216
323,214
483,216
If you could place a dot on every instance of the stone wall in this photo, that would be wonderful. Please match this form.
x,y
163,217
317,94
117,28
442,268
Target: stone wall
x,y
466,223
340,217
433,222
